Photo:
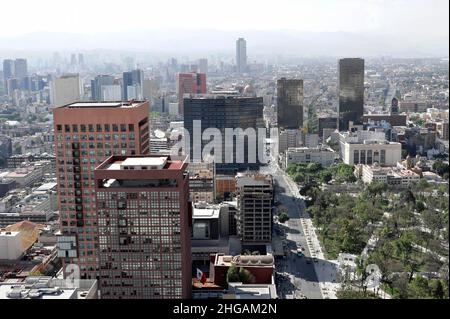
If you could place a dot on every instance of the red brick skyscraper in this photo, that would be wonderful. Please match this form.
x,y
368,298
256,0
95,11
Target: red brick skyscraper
x,y
144,227
190,83
85,135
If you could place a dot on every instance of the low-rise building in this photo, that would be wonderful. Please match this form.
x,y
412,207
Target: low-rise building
x,y
368,147
304,155
10,245
16,161
6,184
414,106
443,130
44,287
202,182
214,230
225,185
260,267
288,139
389,175
30,174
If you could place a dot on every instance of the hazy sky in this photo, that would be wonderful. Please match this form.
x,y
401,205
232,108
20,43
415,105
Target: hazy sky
x,y
420,17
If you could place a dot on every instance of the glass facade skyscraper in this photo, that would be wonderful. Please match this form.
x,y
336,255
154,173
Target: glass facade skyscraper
x,y
351,92
290,103
221,112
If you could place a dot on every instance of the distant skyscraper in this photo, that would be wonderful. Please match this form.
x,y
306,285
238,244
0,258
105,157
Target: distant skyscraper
x,y
98,83
12,85
203,66
80,58
290,103
20,68
150,89
190,83
73,59
85,135
221,112
8,69
144,228
241,55
351,92
65,90
394,106
132,83
111,93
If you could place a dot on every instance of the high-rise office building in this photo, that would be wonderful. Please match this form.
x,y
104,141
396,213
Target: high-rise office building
x,y
110,93
394,106
254,198
97,85
241,55
290,103
73,59
150,89
190,83
132,85
203,66
8,70
85,135
221,111
65,90
80,58
20,68
351,92
144,227
12,84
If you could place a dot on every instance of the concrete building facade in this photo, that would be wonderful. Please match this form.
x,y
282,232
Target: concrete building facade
x,y
143,227
85,135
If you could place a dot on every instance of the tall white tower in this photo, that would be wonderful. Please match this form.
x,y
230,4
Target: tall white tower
x,y
241,55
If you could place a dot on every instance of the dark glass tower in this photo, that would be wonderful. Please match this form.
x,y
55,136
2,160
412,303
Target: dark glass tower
x,y
351,92
131,78
96,86
221,112
290,103
394,106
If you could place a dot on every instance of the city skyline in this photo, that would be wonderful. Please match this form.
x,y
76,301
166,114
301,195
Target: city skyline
x,y
224,151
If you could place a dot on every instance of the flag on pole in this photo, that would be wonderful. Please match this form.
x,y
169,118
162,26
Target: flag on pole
x,y
201,276
203,279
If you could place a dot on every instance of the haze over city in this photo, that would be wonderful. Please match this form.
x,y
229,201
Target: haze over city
x,y
410,28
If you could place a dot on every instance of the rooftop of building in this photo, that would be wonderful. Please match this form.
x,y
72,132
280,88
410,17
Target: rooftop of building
x,y
205,211
30,232
253,179
7,233
245,260
220,95
320,148
148,162
46,288
251,291
46,187
94,105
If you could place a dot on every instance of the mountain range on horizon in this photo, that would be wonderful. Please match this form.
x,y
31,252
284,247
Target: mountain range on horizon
x,y
198,42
